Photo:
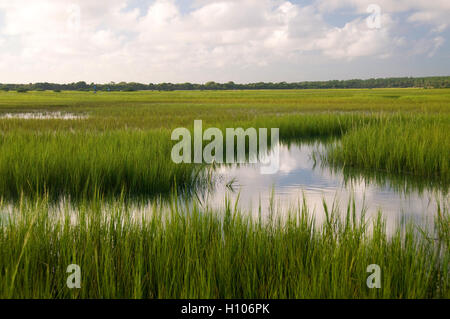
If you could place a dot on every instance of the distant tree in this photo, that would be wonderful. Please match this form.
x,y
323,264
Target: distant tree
x,y
424,82
211,85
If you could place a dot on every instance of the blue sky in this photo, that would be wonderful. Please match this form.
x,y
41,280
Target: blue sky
x,y
221,40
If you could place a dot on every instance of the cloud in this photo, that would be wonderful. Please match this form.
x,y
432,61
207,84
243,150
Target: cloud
x,y
356,39
434,12
427,46
251,32
437,18
108,40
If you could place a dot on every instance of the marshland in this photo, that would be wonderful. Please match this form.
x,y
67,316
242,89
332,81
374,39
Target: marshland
x,y
88,179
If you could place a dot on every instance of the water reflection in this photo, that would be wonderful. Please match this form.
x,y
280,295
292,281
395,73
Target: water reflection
x,y
302,174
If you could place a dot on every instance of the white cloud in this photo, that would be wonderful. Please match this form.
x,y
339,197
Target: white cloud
x,y
355,39
427,46
102,40
435,12
437,18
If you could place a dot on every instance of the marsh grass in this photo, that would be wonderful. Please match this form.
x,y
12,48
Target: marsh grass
x,y
197,253
122,149
80,164
138,162
419,148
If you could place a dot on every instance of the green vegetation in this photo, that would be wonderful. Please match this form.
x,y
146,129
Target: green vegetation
x,y
195,253
120,149
76,164
123,141
406,82
419,146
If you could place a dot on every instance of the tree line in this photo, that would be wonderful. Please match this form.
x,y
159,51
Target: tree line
x,y
404,82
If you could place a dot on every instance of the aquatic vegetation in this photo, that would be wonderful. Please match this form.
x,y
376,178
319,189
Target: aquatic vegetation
x,y
416,147
80,164
122,142
198,253
120,149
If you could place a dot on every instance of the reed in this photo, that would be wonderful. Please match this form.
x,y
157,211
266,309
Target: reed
x,y
189,252
120,148
79,164
415,147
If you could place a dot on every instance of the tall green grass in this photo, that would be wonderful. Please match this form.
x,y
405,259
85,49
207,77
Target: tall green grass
x,y
123,149
197,253
152,110
79,164
416,147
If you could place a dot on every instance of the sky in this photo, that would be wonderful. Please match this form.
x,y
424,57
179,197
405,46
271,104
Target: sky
x,y
154,41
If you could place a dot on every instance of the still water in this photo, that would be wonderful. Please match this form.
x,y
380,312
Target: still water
x,y
302,175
